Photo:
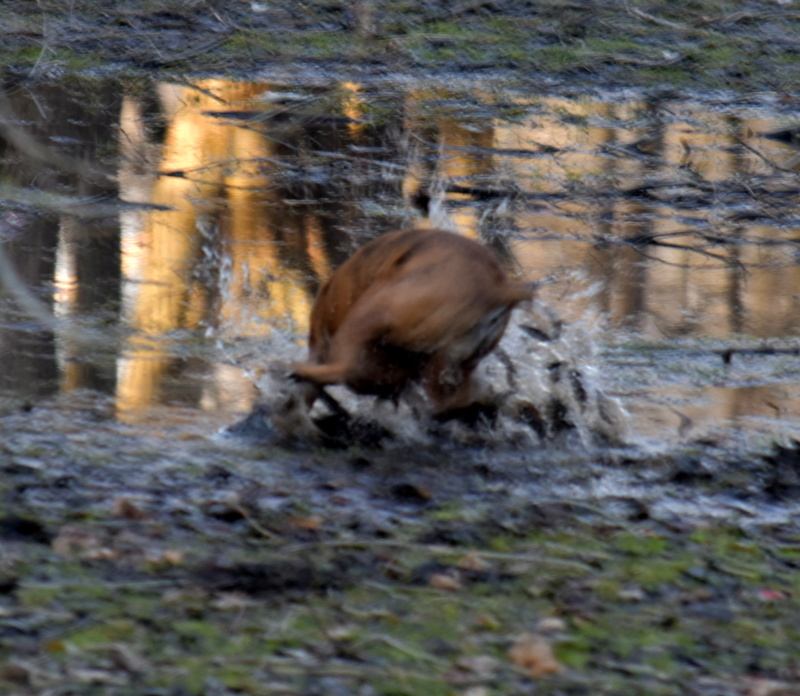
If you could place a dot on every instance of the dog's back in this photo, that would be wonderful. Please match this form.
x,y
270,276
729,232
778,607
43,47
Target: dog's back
x,y
412,305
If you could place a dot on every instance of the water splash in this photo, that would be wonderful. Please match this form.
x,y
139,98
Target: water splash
x,y
548,373
543,382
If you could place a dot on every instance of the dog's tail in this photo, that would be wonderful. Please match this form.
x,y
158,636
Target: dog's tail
x,y
519,291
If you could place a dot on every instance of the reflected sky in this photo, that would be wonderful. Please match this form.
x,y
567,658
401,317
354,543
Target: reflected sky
x,y
228,204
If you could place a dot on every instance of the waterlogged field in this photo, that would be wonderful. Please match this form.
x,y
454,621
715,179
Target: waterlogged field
x,y
663,228
162,238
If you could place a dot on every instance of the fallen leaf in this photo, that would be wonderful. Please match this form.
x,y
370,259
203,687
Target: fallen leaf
x,y
125,509
476,691
473,561
101,554
182,595
128,659
93,676
482,667
757,686
445,581
488,622
230,601
167,557
409,492
16,673
342,633
772,595
173,556
551,624
308,524
633,593
72,540
533,653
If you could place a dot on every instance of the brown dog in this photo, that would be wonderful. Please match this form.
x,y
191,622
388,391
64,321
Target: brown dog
x,y
412,306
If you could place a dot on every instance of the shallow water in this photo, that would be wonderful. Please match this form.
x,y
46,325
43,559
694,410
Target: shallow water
x,y
165,241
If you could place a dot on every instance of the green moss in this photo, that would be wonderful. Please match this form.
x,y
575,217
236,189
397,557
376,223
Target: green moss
x,y
788,58
28,55
608,589
719,54
327,44
597,581
640,545
197,629
193,674
240,678
618,44
654,572
581,40
37,596
447,28
102,635
411,685
559,58
141,606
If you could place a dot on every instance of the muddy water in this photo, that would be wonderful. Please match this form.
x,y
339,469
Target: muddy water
x,y
162,242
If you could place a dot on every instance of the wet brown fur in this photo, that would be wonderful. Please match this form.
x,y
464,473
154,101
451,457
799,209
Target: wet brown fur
x,y
411,306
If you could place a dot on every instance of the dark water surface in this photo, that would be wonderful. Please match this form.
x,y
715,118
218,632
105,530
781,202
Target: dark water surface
x,y
160,241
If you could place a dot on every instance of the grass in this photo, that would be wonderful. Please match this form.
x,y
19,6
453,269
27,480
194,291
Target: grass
x,y
615,43
708,603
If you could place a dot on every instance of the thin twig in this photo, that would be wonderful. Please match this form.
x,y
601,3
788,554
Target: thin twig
x,y
27,301
401,647
435,550
762,156
242,510
636,12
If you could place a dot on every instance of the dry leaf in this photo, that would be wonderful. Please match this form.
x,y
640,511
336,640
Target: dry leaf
x,y
101,554
308,524
768,687
173,556
481,667
16,673
633,593
551,624
533,653
97,677
410,492
342,633
772,595
476,691
166,557
182,595
128,659
445,581
488,622
72,540
125,509
231,601
473,561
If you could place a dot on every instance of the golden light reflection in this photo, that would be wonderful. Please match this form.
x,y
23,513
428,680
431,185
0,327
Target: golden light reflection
x,y
673,290
65,298
700,411
230,253
216,215
353,107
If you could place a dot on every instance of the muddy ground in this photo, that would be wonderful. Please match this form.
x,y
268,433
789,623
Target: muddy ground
x,y
556,43
162,560
168,562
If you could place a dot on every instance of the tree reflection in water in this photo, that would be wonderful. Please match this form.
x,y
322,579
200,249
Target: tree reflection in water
x,y
665,219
